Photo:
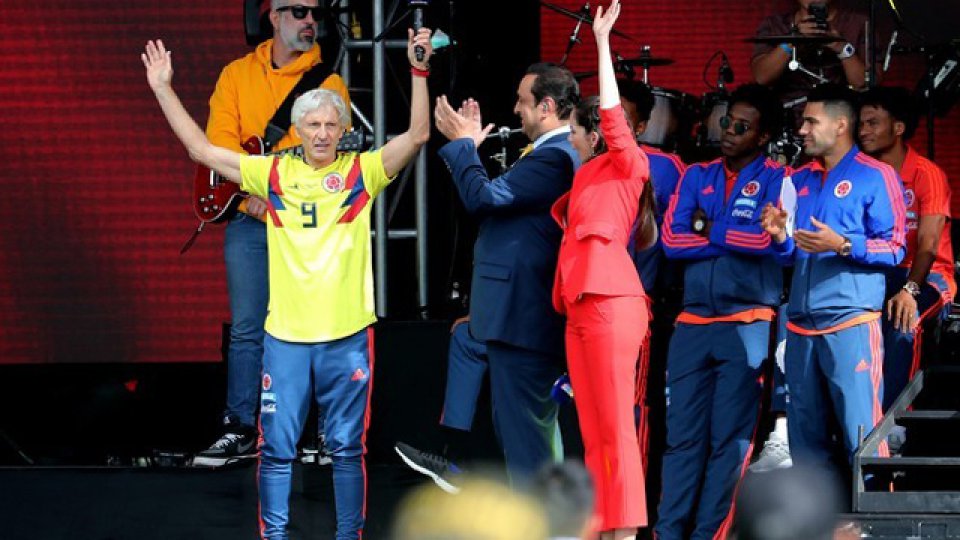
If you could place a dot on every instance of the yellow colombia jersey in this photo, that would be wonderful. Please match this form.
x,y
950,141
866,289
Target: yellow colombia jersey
x,y
318,239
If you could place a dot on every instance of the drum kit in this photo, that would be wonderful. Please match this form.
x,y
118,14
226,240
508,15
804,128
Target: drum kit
x,y
686,123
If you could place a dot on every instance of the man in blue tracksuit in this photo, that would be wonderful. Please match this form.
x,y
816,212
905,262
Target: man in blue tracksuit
x,y
732,285
850,224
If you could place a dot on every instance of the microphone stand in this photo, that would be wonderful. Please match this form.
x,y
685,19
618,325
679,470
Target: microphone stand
x,y
575,35
795,65
503,133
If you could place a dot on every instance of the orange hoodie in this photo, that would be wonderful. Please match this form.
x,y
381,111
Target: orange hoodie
x,y
249,91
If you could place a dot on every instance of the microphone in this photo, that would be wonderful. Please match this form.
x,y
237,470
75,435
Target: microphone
x,y
582,15
503,132
418,6
886,59
725,73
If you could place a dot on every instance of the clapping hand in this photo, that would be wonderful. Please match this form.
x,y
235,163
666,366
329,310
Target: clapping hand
x,y
463,123
774,221
822,240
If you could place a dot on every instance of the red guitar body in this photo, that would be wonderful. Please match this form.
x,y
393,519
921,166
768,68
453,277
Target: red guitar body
x,y
215,198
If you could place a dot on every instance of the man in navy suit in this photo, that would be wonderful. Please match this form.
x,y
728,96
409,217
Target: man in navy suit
x,y
513,331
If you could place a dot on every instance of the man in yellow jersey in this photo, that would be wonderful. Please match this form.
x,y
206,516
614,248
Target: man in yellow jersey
x,y
318,342
246,97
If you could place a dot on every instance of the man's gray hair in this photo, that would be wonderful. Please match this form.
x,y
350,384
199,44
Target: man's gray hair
x,y
274,4
316,98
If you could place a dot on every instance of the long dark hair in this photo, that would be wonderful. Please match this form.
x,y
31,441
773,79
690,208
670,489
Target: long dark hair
x,y
588,116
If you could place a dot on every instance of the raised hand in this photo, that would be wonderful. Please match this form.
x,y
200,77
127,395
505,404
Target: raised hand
x,y
603,22
422,39
156,58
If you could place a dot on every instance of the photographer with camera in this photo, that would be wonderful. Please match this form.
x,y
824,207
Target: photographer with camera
x,y
839,61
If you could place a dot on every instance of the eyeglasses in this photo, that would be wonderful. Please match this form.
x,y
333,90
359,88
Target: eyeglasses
x,y
739,127
300,12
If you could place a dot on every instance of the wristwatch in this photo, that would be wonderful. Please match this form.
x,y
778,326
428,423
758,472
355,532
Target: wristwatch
x,y
847,51
699,224
912,287
845,248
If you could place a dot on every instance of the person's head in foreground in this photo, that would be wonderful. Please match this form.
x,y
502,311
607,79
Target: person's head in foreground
x,y
483,510
799,503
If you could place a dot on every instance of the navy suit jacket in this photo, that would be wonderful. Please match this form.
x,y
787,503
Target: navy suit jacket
x,y
515,256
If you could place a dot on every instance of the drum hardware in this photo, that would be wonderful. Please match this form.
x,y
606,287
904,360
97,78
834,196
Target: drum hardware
x,y
671,117
583,16
793,39
713,104
796,40
625,66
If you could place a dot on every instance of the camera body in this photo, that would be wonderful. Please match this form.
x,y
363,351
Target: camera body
x,y
818,12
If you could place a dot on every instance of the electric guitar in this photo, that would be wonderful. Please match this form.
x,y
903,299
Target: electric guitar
x,y
216,199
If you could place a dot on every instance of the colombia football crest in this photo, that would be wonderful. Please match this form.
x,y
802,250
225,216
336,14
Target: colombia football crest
x,y
843,189
333,183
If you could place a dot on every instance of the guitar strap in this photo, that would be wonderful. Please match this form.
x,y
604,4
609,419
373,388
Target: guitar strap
x,y
278,126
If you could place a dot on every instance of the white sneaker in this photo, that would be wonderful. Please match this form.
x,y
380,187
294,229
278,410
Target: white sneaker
x,y
775,455
320,454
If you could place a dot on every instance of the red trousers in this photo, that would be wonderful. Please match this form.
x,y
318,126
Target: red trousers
x,y
603,340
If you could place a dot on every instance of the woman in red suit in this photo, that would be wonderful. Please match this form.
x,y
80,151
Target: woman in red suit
x,y
599,290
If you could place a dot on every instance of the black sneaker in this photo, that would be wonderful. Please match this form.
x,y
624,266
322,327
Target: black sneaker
x,y
233,446
442,471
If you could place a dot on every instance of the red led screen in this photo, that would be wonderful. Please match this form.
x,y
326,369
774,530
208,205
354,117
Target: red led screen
x,y
97,200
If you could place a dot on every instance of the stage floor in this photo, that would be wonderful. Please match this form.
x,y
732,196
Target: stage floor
x,y
101,503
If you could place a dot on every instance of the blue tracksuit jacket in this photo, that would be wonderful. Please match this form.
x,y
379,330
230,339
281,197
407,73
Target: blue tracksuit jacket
x,y
724,275
861,199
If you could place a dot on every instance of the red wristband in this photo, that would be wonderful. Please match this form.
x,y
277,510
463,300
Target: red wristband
x,y
417,72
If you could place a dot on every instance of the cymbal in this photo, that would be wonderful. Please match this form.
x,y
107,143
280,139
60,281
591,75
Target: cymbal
x,y
796,39
626,65
644,61
581,17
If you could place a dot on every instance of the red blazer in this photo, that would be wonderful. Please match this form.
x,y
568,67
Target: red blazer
x,y
596,216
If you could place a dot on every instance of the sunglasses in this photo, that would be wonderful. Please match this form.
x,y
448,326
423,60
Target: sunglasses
x,y
300,12
739,127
